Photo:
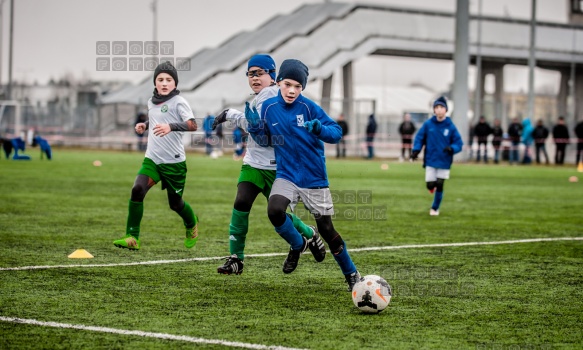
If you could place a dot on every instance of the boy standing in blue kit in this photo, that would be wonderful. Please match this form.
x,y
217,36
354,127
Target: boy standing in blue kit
x,y
441,140
296,128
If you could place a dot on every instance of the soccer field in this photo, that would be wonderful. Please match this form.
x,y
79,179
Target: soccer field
x,y
500,268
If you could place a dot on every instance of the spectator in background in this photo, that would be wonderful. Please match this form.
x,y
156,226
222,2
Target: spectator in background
x,y
561,138
527,139
514,132
341,145
579,134
238,140
207,126
540,134
482,130
497,134
142,138
406,129
45,148
371,130
471,140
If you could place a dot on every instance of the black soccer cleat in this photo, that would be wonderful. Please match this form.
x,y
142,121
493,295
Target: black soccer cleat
x,y
316,246
232,265
352,279
291,262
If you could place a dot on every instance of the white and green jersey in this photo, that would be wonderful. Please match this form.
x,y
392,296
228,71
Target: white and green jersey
x,y
256,156
168,149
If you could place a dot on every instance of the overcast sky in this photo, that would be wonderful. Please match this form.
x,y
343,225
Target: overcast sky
x,y
53,38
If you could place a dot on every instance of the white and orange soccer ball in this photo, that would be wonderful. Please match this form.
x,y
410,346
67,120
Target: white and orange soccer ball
x,y
372,294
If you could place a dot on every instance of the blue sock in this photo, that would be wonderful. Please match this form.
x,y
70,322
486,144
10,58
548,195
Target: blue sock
x,y
288,232
437,200
344,261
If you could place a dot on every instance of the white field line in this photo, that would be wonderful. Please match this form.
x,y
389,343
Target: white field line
x,y
145,334
352,250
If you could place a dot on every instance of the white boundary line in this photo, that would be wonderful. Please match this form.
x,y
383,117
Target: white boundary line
x,y
408,246
145,334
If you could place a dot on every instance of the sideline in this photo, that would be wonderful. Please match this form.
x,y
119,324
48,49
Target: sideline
x,y
352,250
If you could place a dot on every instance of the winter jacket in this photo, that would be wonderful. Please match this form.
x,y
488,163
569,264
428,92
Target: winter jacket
x,y
436,136
527,130
299,154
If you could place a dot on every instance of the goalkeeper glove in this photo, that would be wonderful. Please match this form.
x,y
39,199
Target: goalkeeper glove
x,y
448,150
414,155
221,118
251,115
313,126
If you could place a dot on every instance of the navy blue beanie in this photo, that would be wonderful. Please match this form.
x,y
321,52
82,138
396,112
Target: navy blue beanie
x,y
440,102
263,61
295,70
166,67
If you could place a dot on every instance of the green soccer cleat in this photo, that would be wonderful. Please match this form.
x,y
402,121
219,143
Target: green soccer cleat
x,y
191,236
128,242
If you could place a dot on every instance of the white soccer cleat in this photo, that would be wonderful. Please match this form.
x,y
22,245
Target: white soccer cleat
x,y
433,212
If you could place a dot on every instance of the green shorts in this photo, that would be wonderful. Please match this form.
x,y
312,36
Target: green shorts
x,y
259,177
173,176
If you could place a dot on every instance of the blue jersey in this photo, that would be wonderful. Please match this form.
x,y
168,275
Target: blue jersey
x,y
436,136
299,154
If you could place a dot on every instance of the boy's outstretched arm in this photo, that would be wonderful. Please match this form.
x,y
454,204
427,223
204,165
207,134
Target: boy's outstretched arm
x,y
324,127
256,126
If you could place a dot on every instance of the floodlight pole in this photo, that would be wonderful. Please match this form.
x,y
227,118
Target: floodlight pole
x,y
10,52
461,62
1,35
531,61
478,92
155,21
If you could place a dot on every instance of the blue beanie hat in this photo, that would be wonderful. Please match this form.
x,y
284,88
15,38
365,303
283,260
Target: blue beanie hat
x,y
440,102
166,67
264,62
295,70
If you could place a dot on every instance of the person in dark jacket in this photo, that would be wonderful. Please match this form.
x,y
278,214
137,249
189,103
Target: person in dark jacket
x,y
406,129
498,135
482,130
371,130
341,145
561,138
540,134
579,134
514,132
442,140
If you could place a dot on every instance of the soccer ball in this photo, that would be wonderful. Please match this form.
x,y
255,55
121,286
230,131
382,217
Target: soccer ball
x,y
372,294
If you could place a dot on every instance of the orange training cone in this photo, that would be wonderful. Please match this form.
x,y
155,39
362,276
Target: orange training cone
x,y
80,254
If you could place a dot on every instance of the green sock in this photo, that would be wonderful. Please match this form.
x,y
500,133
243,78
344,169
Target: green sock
x,y
301,227
188,216
238,232
135,214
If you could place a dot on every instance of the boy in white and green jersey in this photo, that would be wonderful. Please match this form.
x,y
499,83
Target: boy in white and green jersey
x,y
169,116
258,172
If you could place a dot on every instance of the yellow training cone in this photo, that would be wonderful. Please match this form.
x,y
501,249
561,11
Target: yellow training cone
x,y
580,167
80,254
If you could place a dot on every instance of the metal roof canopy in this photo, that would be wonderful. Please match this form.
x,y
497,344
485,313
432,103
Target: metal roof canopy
x,y
329,35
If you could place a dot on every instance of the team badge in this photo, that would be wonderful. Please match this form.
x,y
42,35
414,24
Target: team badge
x,y
300,119
164,109
445,132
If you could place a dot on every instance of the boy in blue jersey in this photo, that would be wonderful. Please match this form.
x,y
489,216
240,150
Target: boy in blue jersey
x,y
441,140
296,128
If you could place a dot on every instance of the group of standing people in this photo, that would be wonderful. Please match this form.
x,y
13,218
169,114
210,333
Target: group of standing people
x,y
524,133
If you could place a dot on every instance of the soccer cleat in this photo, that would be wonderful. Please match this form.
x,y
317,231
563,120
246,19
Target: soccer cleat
x,y
352,278
291,262
317,246
433,212
191,236
128,242
432,191
232,265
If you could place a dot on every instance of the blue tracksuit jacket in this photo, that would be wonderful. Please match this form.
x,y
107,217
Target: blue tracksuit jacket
x,y
299,154
436,136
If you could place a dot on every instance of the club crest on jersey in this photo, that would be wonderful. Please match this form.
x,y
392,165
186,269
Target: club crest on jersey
x,y
300,119
445,132
164,109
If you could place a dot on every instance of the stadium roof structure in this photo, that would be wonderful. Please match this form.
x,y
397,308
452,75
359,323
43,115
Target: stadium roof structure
x,y
327,36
